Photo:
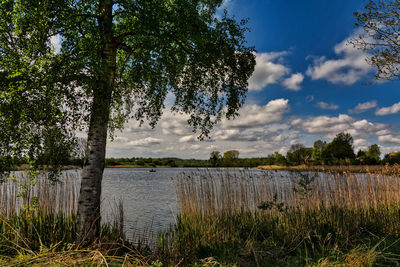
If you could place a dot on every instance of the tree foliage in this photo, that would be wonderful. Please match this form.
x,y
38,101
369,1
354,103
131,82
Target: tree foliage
x,y
298,154
319,145
215,158
161,46
118,59
339,150
380,36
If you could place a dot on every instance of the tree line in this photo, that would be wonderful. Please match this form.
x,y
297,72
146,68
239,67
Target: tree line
x,y
340,151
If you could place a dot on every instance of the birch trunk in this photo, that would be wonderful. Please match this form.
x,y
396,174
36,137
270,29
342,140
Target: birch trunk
x,y
88,215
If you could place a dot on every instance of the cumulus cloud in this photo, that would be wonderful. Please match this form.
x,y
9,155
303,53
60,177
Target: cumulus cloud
x,y
267,70
175,124
145,142
388,149
294,81
389,139
362,107
333,125
254,115
388,110
324,105
360,142
350,67
383,132
187,139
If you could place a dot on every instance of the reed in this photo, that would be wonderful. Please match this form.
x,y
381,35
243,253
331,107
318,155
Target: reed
x,y
25,191
240,217
38,215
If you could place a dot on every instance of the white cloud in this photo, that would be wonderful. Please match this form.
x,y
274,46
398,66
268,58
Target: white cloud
x,y
388,149
175,123
388,110
334,125
187,138
254,115
360,142
324,105
145,142
383,132
389,139
55,42
294,81
348,69
267,70
362,107
226,4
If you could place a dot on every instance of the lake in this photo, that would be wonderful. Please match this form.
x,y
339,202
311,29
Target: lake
x,y
149,198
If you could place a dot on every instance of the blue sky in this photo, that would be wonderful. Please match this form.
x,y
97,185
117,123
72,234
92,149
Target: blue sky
x,y
308,84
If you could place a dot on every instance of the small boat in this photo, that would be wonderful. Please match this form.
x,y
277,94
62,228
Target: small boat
x,y
152,170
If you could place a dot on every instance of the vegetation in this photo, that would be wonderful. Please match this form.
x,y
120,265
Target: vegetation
x,y
379,24
225,217
115,60
38,226
339,151
325,220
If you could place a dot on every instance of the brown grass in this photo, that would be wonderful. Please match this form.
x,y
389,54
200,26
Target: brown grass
x,y
208,192
24,192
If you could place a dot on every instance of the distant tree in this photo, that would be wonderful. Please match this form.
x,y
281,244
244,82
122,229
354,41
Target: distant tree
x,y
374,152
392,158
295,147
297,154
215,157
339,150
317,150
230,157
380,22
369,157
361,153
279,159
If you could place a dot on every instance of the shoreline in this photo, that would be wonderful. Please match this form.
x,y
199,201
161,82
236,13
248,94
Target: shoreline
x,y
381,169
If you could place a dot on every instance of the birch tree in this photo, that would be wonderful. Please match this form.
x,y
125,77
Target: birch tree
x,y
114,60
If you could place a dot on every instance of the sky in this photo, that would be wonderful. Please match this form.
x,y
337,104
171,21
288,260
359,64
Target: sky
x,y
308,84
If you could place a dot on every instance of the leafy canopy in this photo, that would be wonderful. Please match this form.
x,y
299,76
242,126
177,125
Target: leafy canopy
x,y
177,46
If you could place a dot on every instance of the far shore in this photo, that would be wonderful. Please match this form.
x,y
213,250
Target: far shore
x,y
138,166
381,169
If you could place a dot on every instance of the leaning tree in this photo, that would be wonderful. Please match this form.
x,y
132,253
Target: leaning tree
x,y
68,65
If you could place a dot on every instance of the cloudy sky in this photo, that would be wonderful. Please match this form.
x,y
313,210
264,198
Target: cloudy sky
x,y
308,84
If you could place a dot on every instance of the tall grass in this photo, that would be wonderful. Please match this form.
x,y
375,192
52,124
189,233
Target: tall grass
x,y
33,191
37,214
283,216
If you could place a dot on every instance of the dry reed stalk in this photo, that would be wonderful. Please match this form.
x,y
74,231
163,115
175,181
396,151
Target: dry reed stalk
x,y
19,193
208,192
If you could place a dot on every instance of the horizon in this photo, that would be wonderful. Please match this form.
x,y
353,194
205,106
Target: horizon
x,y
308,84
